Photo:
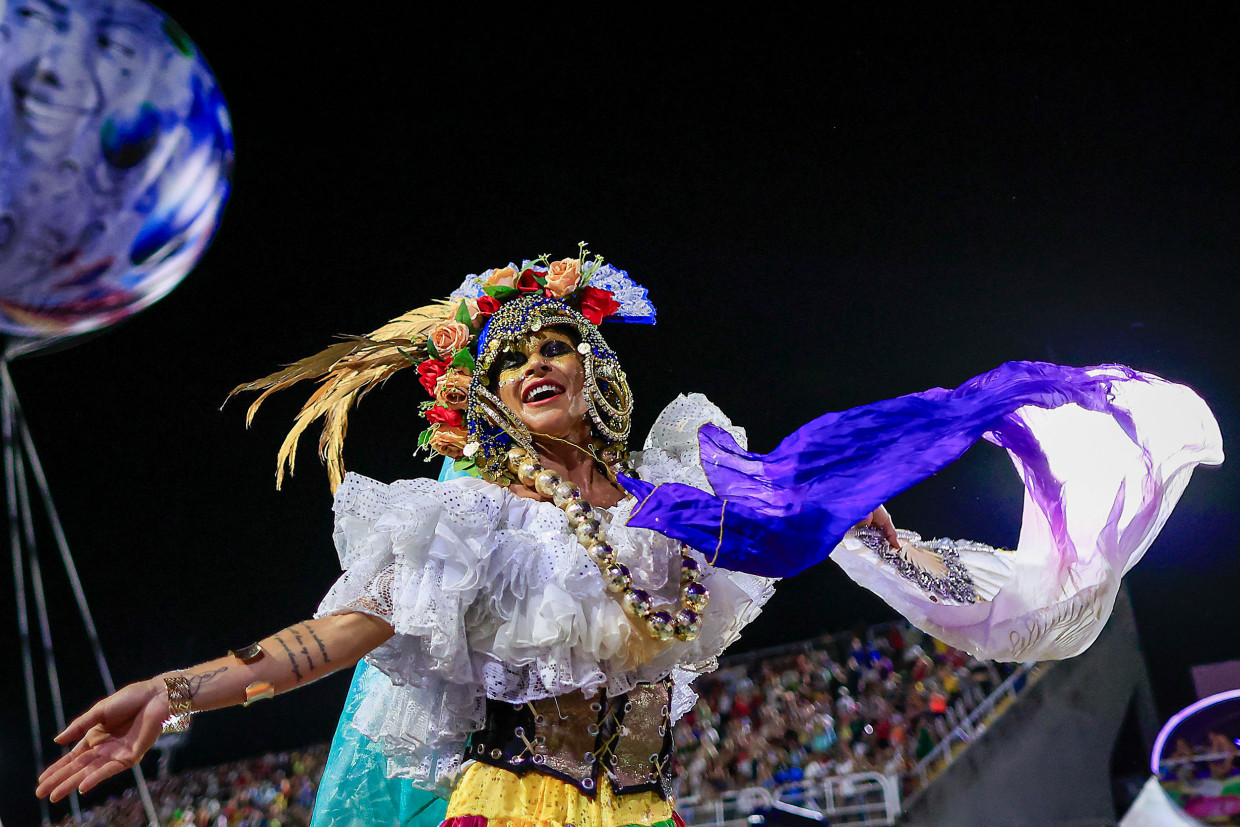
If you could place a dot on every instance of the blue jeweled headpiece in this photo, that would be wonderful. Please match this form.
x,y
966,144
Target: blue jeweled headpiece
x,y
493,429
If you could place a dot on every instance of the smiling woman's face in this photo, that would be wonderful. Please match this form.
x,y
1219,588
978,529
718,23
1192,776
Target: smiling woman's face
x,y
541,379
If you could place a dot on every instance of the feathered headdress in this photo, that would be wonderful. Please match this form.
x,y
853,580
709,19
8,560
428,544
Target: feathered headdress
x,y
441,340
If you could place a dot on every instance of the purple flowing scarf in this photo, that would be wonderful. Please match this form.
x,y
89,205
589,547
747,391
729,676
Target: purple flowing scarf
x,y
777,514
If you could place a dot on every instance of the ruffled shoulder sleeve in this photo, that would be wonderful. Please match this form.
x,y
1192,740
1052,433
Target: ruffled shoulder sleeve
x,y
671,453
413,554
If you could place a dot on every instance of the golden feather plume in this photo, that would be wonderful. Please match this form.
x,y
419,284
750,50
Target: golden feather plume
x,y
346,372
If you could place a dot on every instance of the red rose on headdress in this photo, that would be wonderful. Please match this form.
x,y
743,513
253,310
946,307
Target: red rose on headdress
x,y
443,416
528,283
597,304
487,305
430,371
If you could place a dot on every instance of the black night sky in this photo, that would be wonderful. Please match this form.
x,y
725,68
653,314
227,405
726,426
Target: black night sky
x,y
826,209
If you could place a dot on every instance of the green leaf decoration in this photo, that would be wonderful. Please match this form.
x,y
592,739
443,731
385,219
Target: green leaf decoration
x,y
542,280
462,315
424,438
432,350
501,293
463,359
466,465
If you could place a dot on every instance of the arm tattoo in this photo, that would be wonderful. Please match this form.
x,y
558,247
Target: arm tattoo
x,y
291,658
196,681
304,649
319,641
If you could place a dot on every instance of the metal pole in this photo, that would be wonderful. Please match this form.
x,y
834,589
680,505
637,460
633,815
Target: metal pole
x,y
14,418
40,604
19,581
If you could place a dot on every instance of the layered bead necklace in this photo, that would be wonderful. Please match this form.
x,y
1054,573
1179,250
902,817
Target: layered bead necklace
x,y
682,619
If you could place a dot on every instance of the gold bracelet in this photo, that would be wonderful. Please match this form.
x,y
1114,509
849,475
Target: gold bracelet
x,y
180,702
249,654
259,691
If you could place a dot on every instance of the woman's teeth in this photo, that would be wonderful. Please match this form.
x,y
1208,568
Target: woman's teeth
x,y
542,392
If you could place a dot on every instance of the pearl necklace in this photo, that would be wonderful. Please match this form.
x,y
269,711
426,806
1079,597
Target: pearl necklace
x,y
682,619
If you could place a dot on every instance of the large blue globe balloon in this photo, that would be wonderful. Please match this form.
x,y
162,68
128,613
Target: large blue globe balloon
x,y
115,153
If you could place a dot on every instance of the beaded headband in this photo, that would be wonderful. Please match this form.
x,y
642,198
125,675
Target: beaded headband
x,y
493,429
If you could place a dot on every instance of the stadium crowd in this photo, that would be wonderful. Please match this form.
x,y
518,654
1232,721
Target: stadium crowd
x,y
838,705
276,790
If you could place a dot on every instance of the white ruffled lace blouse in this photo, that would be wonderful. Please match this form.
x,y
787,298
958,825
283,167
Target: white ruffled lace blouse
x,y
491,596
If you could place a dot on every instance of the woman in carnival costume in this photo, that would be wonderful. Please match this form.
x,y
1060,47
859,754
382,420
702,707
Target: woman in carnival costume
x,y
531,622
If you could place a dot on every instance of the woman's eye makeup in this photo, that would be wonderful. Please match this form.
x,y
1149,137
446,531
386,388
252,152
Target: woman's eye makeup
x,y
514,359
510,360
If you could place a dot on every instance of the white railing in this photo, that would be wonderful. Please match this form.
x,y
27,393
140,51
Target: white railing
x,y
730,809
865,799
973,725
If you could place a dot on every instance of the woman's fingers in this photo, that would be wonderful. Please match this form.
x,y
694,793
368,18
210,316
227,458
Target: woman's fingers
x,y
86,770
81,725
884,522
66,785
64,766
51,778
100,770
62,762
881,520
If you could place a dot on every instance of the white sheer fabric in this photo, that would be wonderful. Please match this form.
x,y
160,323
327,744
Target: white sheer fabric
x,y
492,597
1051,597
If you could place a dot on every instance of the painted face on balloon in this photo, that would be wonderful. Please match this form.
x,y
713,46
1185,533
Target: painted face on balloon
x,y
115,148
65,66
541,379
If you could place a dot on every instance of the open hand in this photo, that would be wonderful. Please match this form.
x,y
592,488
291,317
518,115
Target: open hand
x,y
114,735
881,520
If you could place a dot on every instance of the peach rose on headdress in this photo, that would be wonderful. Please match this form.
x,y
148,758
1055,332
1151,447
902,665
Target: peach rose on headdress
x,y
562,277
449,337
448,440
503,277
452,389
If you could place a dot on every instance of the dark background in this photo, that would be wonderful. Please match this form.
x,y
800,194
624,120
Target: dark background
x,y
827,210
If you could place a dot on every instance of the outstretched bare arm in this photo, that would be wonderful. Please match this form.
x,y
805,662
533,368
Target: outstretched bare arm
x,y
115,733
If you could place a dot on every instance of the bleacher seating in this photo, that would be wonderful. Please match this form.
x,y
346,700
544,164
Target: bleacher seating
x,y
837,706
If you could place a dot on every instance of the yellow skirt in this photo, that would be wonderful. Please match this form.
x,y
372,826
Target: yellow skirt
x,y
488,796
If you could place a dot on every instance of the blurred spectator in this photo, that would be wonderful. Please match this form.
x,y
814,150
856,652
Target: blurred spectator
x,y
276,790
879,702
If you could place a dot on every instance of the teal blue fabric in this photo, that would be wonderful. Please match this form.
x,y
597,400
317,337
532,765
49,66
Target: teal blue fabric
x,y
355,790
